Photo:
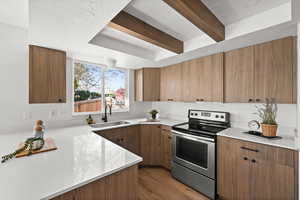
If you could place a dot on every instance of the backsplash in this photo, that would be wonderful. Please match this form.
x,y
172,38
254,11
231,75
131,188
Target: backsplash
x,y
240,113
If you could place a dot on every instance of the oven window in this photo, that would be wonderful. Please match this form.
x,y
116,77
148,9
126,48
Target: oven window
x,y
192,151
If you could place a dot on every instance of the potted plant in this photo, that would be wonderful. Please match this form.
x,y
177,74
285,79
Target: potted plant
x,y
267,114
153,113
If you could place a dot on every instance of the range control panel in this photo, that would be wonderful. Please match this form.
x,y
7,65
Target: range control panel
x,y
209,115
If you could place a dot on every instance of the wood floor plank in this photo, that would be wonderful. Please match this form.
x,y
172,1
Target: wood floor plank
x,y
157,184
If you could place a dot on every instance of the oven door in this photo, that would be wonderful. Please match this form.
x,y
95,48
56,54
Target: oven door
x,y
194,152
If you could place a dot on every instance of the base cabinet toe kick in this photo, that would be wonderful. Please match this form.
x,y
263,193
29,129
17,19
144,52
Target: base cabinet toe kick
x,y
252,171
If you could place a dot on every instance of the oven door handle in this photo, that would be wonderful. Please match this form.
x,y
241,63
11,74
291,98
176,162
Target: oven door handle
x,y
193,137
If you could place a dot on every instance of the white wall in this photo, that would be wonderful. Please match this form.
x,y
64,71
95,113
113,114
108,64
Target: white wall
x,y
241,113
16,113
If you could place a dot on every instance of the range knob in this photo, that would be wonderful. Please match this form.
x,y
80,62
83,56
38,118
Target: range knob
x,y
217,116
196,114
192,114
222,116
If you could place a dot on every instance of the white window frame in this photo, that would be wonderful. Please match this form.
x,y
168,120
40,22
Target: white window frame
x,y
104,67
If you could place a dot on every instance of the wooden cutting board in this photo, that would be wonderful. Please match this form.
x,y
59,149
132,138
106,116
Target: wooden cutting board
x,y
48,146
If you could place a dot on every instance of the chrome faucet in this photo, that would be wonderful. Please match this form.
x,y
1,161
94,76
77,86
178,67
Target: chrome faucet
x,y
104,118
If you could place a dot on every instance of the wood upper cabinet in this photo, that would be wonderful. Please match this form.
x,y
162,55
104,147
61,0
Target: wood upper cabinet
x,y
202,79
151,145
274,70
47,75
262,71
239,75
254,171
171,83
166,146
147,84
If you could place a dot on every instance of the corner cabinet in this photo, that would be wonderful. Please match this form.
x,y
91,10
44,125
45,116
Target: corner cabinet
x,y
147,84
47,75
252,171
262,71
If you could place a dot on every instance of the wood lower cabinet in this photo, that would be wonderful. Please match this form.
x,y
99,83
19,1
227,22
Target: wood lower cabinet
x,y
147,84
151,145
166,146
47,75
252,171
127,137
120,185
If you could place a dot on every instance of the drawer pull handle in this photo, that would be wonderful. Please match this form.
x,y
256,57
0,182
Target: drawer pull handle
x,y
245,158
246,148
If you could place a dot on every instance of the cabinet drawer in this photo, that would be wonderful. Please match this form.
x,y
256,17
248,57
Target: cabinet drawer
x,y
263,152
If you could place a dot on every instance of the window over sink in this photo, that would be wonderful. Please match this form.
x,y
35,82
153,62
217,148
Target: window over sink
x,y
96,84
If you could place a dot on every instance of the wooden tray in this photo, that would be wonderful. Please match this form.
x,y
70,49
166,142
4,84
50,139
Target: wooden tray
x,y
48,146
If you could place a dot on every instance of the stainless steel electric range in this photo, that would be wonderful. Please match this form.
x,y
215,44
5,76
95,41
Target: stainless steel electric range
x,y
194,149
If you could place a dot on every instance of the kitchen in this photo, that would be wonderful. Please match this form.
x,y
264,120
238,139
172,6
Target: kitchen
x,y
209,82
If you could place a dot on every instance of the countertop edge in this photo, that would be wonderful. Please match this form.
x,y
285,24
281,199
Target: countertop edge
x,y
92,180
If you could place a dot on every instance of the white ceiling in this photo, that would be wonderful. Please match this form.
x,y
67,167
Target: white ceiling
x,y
230,11
72,24
14,12
160,15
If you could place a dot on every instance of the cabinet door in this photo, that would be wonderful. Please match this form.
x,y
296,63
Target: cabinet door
x,y
274,70
171,83
122,185
132,139
150,145
138,76
233,170
151,84
239,75
211,80
191,71
272,181
47,75
166,147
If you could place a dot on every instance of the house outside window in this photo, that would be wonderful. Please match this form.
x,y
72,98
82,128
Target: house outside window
x,y
95,85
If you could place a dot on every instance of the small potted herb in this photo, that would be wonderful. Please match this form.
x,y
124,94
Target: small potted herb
x,y
153,114
267,114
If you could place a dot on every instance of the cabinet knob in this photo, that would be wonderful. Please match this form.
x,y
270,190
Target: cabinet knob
x,y
169,137
245,158
250,100
253,160
59,100
257,100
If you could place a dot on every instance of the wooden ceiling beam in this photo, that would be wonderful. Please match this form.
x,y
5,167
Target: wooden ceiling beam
x,y
198,14
135,27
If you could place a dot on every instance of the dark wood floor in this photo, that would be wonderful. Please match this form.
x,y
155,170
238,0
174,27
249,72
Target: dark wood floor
x,y
157,184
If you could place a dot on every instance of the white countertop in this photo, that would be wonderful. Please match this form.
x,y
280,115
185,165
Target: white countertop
x,y
236,133
82,157
132,122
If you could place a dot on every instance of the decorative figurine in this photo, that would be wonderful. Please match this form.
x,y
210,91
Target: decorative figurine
x,y
31,144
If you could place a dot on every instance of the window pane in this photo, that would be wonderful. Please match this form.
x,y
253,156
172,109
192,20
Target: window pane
x,y
116,89
87,87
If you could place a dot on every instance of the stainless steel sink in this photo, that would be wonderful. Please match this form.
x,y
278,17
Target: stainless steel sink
x,y
108,124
